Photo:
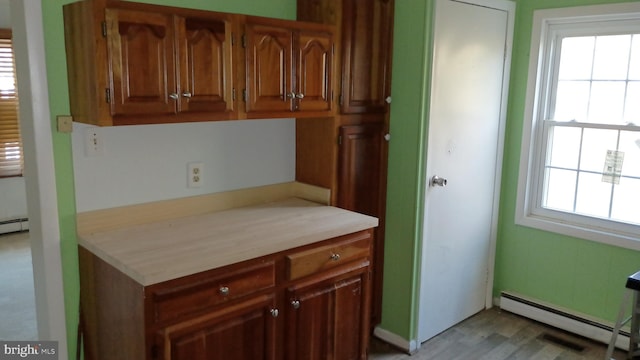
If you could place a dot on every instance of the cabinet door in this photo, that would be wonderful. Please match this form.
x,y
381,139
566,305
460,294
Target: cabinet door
x,y
206,71
327,321
366,55
141,61
314,64
269,68
244,331
361,159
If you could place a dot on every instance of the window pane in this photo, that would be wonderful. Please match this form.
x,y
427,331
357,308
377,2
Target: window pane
x,y
593,195
611,57
572,101
630,145
565,147
595,144
607,102
626,198
576,58
632,106
634,68
559,189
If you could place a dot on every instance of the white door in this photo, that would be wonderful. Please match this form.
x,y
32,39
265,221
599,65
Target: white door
x,y
465,148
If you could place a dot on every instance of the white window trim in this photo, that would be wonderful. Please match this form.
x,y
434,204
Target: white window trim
x,y
527,210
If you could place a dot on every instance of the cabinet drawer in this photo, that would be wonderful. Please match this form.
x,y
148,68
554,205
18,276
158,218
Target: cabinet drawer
x,y
173,303
348,248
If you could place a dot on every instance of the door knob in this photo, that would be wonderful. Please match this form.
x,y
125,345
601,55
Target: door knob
x,y
438,181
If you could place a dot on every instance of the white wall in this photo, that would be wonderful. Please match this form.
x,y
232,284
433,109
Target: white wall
x,y
149,162
13,197
4,14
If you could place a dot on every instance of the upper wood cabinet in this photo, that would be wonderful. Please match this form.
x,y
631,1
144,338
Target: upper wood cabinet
x,y
135,63
289,68
132,63
366,29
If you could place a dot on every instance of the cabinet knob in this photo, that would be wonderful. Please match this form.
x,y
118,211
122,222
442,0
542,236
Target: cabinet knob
x,y
186,94
299,96
387,137
291,95
388,100
335,257
295,304
275,312
174,96
224,290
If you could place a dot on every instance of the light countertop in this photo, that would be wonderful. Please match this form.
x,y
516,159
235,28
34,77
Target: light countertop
x,y
164,250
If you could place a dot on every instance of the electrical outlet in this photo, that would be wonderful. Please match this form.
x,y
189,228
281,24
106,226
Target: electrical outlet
x,y
194,174
93,142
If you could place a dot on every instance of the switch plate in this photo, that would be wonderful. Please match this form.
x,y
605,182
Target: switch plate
x,y
93,142
65,123
194,175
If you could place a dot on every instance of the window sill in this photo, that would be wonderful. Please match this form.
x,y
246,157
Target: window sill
x,y
603,236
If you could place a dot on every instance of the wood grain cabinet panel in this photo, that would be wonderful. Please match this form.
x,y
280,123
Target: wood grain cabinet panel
x,y
269,68
142,62
206,73
289,68
325,321
245,331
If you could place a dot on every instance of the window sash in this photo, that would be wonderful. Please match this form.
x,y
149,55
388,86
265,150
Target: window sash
x,y
11,159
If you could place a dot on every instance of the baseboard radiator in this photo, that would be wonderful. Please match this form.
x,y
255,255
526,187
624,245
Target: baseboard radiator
x,y
14,225
597,330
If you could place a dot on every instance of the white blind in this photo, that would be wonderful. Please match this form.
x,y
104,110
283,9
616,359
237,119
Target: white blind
x,y
11,160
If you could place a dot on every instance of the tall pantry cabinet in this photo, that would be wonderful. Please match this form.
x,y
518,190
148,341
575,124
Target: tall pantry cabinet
x,y
348,153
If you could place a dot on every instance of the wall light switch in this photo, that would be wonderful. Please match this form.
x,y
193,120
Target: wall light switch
x,y
65,123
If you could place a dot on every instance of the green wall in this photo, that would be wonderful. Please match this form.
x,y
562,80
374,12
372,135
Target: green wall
x,y
59,103
576,274
583,276
409,89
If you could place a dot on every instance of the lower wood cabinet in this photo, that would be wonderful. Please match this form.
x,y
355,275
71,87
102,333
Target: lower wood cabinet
x,y
310,302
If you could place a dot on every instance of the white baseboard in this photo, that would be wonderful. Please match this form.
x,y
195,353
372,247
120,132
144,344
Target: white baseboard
x,y
14,225
595,329
408,346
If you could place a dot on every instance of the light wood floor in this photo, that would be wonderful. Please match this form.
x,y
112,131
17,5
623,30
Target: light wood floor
x,y
499,335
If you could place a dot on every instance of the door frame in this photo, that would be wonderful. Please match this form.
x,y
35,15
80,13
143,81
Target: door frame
x,y
42,200
509,7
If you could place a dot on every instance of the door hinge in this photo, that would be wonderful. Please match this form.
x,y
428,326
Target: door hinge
x,y
244,40
233,94
340,100
233,39
107,95
104,29
244,95
339,139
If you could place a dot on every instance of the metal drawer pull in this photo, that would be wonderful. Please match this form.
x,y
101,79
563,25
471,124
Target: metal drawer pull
x,y
295,304
335,257
224,291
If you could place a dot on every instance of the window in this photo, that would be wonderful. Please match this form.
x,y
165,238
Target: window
x,y
11,161
580,172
